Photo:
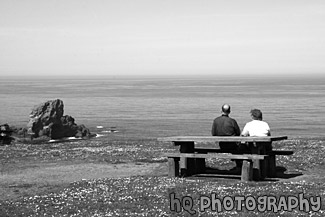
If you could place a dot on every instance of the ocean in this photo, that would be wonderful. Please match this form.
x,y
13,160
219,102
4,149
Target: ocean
x,y
154,107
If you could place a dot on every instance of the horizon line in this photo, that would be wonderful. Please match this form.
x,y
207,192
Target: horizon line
x,y
163,76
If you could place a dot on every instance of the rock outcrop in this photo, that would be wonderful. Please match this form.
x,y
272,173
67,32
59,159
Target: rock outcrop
x,y
47,119
5,134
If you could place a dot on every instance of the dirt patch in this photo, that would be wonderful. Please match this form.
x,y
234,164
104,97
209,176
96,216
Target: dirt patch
x,y
40,178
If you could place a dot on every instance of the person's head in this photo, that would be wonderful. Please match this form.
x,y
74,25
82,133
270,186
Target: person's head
x,y
256,114
225,109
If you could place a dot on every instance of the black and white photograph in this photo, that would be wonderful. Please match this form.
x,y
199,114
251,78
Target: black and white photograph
x,y
162,108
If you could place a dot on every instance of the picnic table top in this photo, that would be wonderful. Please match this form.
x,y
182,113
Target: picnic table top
x,y
222,138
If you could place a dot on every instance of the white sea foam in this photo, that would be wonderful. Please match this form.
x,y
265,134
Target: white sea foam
x,y
100,127
64,139
70,138
109,131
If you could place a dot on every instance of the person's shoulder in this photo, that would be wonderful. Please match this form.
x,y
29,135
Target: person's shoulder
x,y
216,119
221,117
259,123
249,123
265,123
232,119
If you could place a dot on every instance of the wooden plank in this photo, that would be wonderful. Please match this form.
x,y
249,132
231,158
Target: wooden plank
x,y
222,139
216,148
281,152
207,150
217,155
278,138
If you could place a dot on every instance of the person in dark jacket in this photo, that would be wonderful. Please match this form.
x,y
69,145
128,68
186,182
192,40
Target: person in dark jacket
x,y
227,126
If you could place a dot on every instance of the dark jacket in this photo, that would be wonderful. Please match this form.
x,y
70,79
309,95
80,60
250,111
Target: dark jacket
x,y
225,126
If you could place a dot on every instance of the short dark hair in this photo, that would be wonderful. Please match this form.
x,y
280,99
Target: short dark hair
x,y
226,108
256,114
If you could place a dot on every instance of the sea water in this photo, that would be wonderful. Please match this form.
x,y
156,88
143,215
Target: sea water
x,y
154,107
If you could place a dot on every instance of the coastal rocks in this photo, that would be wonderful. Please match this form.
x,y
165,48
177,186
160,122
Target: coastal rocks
x,y
47,119
5,134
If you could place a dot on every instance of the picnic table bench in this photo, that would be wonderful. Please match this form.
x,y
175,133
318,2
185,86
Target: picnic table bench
x,y
190,160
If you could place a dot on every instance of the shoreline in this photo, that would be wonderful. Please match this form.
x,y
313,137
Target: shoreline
x,y
120,137
140,133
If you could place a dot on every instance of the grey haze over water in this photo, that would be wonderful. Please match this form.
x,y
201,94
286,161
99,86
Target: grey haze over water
x,y
169,106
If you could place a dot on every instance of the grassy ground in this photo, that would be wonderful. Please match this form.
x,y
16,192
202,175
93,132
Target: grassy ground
x,y
107,176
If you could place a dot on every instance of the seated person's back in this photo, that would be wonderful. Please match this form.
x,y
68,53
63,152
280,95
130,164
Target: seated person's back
x,y
256,127
224,125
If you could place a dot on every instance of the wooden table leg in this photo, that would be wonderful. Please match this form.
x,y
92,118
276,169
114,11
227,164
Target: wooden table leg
x,y
261,166
257,164
265,162
187,165
173,167
247,171
256,170
200,163
272,166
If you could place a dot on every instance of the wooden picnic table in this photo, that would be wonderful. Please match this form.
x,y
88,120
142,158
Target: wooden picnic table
x,y
199,148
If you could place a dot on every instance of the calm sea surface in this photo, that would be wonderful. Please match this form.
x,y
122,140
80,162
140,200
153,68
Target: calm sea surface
x,y
168,107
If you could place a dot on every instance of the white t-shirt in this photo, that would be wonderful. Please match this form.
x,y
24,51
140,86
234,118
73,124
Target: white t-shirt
x,y
256,128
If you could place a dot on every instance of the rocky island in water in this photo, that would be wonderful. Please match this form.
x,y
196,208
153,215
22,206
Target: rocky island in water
x,y
47,120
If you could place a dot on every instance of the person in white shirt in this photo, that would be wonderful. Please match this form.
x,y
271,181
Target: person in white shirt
x,y
256,127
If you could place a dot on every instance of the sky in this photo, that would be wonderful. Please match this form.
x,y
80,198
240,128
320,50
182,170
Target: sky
x,y
161,37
